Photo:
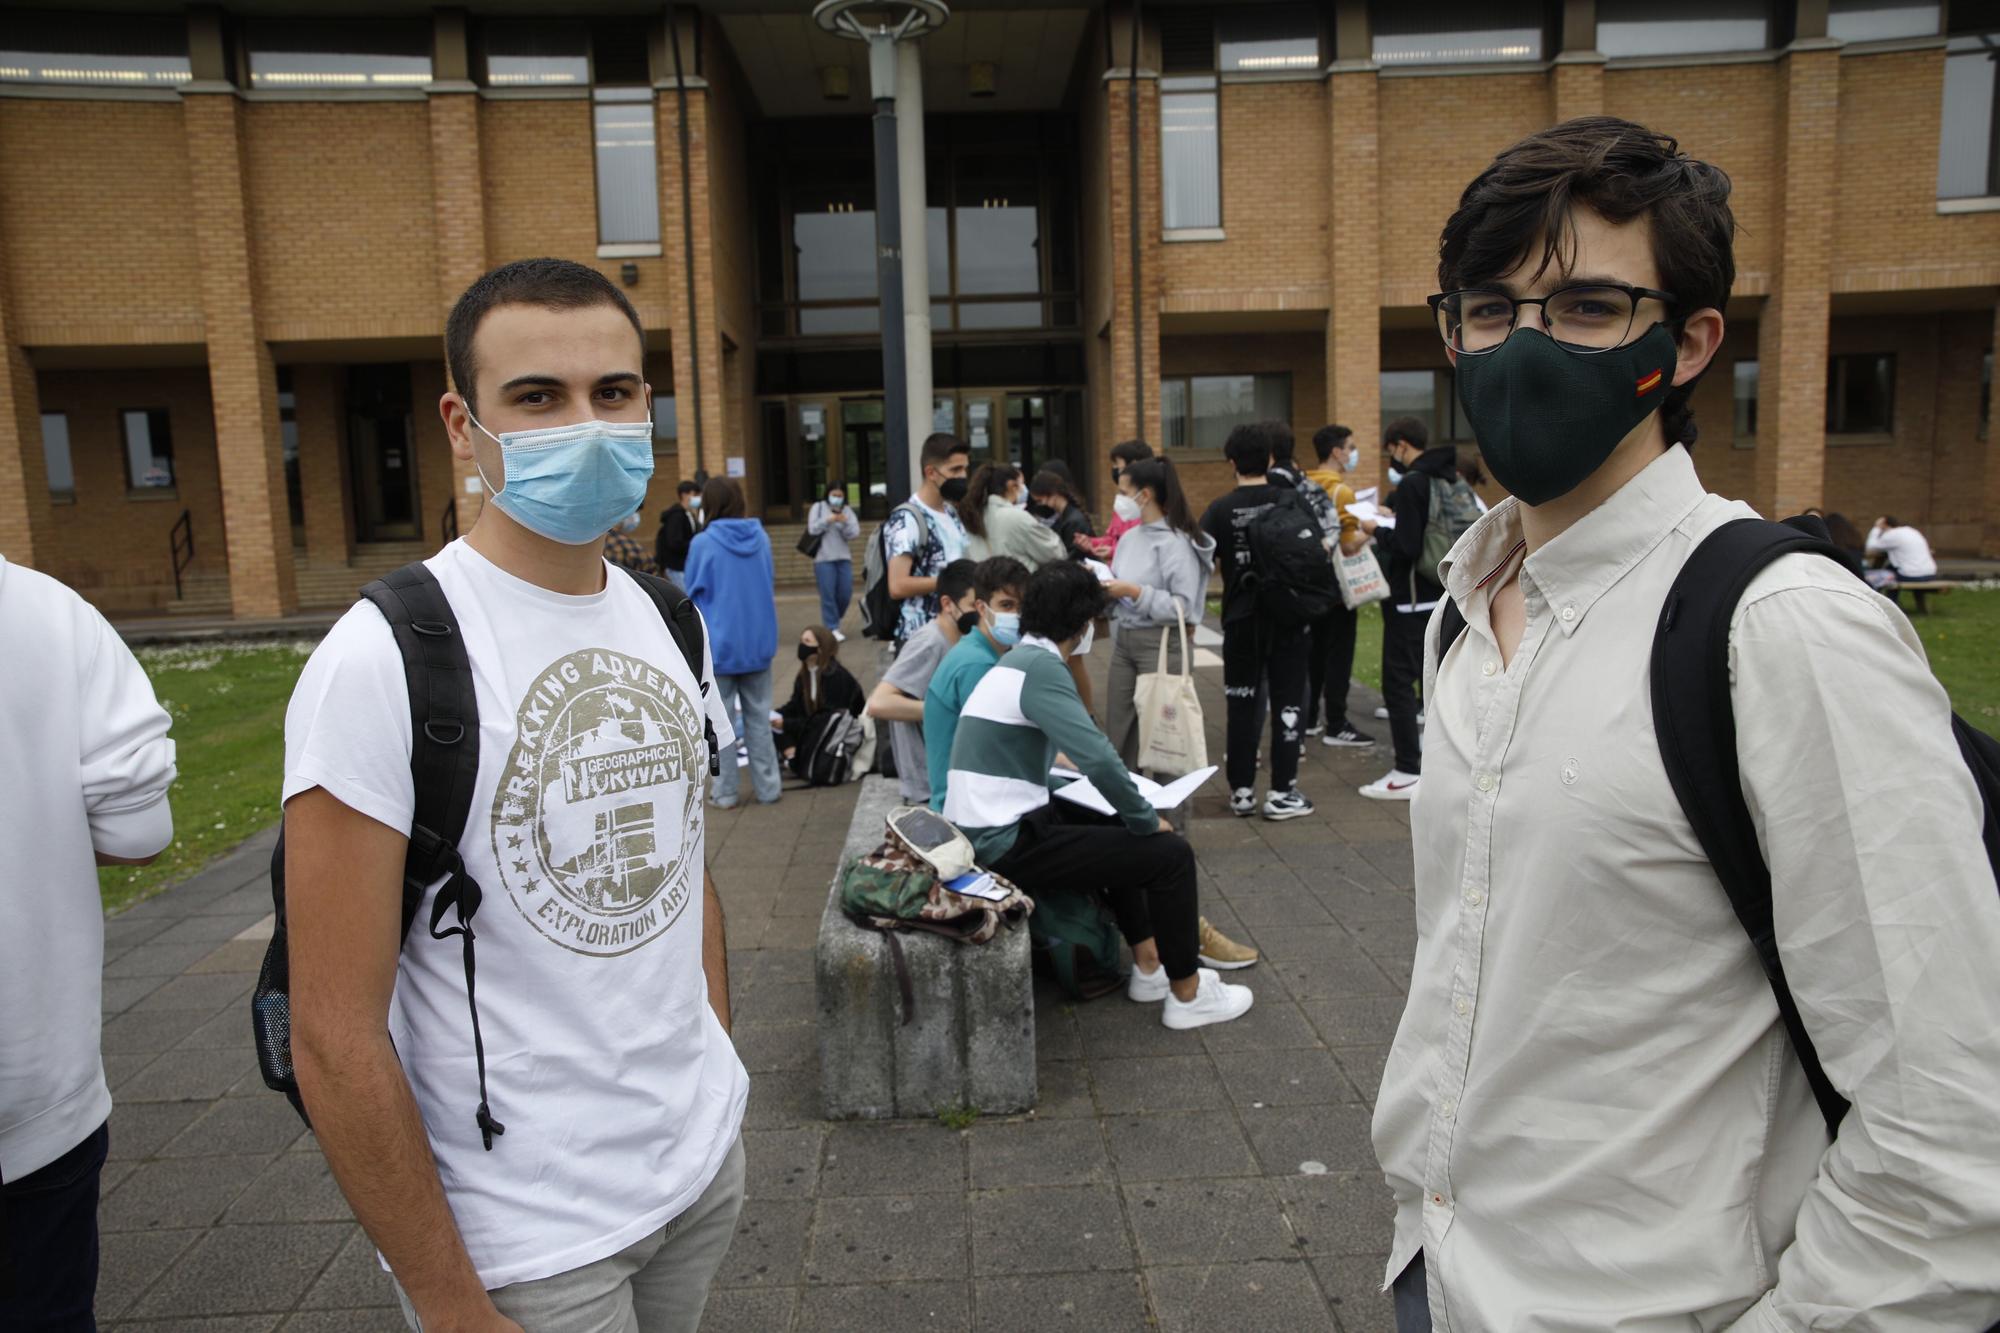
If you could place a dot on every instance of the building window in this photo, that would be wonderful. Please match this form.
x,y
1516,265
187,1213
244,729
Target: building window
x,y
536,53
1455,32
329,53
1746,404
1640,28
1881,20
1268,39
666,424
1861,394
1199,411
1969,139
149,450
1431,397
628,182
997,214
1190,153
128,51
55,455
288,437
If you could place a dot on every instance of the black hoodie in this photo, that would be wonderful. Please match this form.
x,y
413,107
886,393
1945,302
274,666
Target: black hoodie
x,y
1402,546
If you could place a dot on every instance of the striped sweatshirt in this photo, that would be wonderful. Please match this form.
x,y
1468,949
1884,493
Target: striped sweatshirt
x,y
1019,715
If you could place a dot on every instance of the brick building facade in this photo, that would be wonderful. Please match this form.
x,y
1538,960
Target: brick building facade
x,y
225,261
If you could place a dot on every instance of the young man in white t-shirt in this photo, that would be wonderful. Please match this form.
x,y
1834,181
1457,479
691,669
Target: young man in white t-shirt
x,y
606,1193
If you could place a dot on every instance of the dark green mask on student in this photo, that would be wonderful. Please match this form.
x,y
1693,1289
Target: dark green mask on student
x,y
1547,418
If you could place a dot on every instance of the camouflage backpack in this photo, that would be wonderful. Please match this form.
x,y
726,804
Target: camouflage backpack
x,y
891,889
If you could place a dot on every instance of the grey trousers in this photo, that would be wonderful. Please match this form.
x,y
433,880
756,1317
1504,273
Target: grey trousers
x,y
1133,653
657,1284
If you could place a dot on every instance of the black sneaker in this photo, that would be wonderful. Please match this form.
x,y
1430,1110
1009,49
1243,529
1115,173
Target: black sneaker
x,y
1287,805
1348,738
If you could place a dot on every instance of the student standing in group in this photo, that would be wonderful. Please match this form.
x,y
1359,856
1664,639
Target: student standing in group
x,y
998,523
1160,577
1330,668
1257,650
1123,455
621,548
898,698
997,584
1592,1116
86,771
1053,500
730,576
833,521
924,534
601,1181
678,526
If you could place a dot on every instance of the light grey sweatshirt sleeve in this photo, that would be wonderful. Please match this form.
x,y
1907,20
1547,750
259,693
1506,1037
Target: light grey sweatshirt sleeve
x,y
1180,571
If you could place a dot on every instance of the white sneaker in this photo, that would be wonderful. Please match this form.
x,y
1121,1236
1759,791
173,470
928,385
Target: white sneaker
x,y
1382,715
1215,1001
1147,988
1287,805
1315,729
838,637
1395,785
1243,801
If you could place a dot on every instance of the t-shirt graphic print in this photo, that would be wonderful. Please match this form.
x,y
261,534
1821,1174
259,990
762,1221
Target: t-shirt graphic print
x,y
592,825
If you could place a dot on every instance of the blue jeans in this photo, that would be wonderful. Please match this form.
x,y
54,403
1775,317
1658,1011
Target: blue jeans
x,y
836,590
48,1241
750,694
1413,1298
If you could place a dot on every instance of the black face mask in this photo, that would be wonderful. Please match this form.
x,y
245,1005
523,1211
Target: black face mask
x,y
1041,510
807,652
953,489
1546,418
967,621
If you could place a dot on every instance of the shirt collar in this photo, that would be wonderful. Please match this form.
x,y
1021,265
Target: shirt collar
x,y
1037,641
1584,562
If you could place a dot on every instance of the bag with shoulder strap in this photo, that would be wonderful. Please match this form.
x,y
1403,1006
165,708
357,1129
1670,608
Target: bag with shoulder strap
x,y
1453,511
880,611
1075,942
1694,722
827,751
444,762
1171,741
1290,574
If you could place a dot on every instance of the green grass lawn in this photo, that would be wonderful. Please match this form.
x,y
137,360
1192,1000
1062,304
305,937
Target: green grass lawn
x,y
228,705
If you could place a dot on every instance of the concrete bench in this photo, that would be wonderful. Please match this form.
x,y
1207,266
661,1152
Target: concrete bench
x,y
971,1043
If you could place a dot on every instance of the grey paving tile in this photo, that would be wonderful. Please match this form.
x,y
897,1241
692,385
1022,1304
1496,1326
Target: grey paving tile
x,y
1158,1083
125,932
749,1310
1208,1221
234,1270
1274,1023
1057,1036
1113,1027
1334,1136
1353,1288
888,1239
1037,1152
1358,1020
764,1047
214,929
1179,1146
353,1280
233,956
1062,1090
783,1163
157,958
230,1028
1343,1214
186,1192
139,1128
896,1158
238,1127
121,993
1097,1302
149,1033
372,1320
1238,1296
1051,1229
774,1002
1288,905
759,967
876,1307
770,1245
211,992
120,1067
296,1187
180,1076
1283,1078
129,1261
787,1098
792,932
253,899
236,1323
1363,1067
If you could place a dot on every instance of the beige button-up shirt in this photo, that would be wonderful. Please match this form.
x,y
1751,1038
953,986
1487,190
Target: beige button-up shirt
x,y
1592,1118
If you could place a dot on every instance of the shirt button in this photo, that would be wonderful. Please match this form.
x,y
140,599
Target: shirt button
x,y
1461,1006
1473,897
1488,668
1448,1108
1485,782
1438,1199
1569,613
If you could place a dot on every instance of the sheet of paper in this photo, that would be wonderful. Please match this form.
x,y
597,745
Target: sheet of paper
x,y
1369,496
1367,511
1099,568
1084,792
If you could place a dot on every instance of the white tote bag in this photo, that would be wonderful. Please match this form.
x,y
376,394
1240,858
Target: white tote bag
x,y
1171,740
1361,578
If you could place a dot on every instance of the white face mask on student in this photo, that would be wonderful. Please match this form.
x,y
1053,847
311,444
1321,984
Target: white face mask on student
x,y
1127,508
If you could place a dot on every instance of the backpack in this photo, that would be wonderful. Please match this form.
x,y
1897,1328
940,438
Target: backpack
x,y
1076,944
829,748
1317,502
444,761
1453,511
880,612
1695,723
1290,574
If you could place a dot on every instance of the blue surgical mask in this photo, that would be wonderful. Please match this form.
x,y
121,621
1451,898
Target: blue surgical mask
x,y
836,500
571,483
630,523
1007,627
1350,460
1395,475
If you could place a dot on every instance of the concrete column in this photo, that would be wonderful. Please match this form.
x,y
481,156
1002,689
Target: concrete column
x,y
1354,262
243,382
1125,420
1792,331
911,178
459,206
697,361
24,488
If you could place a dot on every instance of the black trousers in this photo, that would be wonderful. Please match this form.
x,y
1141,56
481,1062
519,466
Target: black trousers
x,y
1254,654
1330,666
1149,881
48,1242
1402,669
1413,1298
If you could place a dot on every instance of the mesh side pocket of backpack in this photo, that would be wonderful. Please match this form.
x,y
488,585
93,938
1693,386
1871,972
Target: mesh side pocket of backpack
x,y
271,1021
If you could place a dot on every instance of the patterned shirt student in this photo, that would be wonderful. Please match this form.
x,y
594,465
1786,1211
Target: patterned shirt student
x,y
932,541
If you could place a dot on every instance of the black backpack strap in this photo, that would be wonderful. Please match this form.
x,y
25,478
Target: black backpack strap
x,y
684,624
1695,722
1451,624
444,762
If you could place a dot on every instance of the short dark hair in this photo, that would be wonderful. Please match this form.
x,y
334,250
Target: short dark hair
x,y
686,487
1622,172
1248,450
1131,451
997,573
1051,482
1060,599
955,580
1410,430
1283,447
721,497
938,450
553,284
1328,438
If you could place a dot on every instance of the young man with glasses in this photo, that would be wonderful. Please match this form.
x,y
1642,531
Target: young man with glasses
x,y
1592,1116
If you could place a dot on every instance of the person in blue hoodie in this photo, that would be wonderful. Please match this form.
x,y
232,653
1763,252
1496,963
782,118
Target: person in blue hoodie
x,y
730,576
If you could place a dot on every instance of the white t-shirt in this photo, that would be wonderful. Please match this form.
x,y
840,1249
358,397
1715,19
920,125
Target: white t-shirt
x,y
1908,551
620,1092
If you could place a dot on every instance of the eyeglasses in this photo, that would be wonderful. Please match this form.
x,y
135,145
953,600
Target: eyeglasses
x,y
1598,317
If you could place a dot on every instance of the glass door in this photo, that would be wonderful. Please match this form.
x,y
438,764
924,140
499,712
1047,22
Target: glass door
x,y
865,454
1028,431
384,465
818,458
982,428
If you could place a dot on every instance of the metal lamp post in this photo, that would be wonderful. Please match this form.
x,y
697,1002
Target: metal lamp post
x,y
882,24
